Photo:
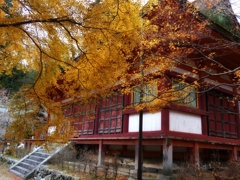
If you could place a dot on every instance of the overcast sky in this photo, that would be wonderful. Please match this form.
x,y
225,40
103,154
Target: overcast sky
x,y
235,6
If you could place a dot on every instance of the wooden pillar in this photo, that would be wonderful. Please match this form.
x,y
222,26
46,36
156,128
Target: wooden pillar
x,y
203,106
125,123
196,154
95,131
101,153
126,102
204,125
167,157
234,153
165,120
202,100
237,108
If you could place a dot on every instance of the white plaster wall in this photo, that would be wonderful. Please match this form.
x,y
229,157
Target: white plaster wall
x,y
151,122
183,122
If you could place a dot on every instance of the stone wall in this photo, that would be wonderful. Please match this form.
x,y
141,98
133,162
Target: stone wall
x,y
47,174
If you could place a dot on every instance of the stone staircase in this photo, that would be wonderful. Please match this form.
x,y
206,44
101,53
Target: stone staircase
x,y
27,165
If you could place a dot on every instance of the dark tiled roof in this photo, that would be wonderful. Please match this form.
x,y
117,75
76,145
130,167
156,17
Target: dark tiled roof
x,y
221,13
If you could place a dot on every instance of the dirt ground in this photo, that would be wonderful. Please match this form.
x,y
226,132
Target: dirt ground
x,y
5,175
85,175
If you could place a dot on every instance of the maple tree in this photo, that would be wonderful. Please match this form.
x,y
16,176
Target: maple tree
x,y
85,49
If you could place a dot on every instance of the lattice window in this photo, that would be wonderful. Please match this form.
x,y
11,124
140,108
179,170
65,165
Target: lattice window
x,y
67,111
222,117
110,117
185,93
85,115
149,93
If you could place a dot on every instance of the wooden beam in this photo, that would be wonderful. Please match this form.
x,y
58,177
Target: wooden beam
x,y
89,141
215,146
153,142
181,143
119,142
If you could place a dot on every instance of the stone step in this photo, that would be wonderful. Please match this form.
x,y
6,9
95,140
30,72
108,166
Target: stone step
x,y
44,151
36,158
41,154
17,173
26,165
31,161
21,170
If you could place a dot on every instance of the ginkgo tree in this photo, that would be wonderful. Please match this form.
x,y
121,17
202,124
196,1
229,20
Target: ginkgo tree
x,y
86,44
86,49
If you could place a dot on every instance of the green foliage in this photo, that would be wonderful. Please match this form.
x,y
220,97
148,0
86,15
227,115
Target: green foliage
x,y
11,151
5,7
17,79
